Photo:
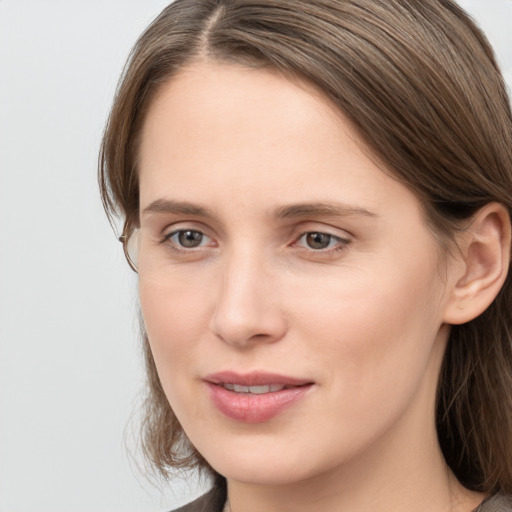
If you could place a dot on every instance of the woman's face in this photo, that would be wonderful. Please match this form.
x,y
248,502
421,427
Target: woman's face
x,y
292,293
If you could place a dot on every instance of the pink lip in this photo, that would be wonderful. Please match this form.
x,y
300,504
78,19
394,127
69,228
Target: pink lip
x,y
252,408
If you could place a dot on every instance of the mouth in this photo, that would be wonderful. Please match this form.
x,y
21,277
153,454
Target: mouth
x,y
256,383
254,390
255,397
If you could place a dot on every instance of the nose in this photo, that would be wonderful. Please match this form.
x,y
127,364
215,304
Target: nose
x,y
247,310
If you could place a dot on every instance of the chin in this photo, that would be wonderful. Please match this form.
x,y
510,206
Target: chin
x,y
260,472
260,460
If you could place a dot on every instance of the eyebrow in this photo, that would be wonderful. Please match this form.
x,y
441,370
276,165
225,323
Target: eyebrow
x,y
327,209
169,206
177,207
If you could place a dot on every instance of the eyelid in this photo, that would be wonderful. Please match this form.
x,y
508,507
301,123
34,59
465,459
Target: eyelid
x,y
322,227
184,225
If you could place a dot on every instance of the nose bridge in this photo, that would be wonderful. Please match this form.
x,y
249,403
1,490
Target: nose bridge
x,y
246,308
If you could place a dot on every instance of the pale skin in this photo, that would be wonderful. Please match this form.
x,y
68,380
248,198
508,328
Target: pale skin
x,y
249,162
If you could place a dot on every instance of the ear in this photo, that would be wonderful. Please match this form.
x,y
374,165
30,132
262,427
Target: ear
x,y
482,264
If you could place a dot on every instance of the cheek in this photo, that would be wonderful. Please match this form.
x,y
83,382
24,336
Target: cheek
x,y
175,317
372,333
373,346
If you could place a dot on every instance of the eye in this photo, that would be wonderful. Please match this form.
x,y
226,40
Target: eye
x,y
318,241
187,238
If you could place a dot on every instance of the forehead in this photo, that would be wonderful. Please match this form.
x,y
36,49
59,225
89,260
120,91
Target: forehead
x,y
222,131
248,103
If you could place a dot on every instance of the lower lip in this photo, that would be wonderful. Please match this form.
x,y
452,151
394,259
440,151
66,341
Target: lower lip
x,y
249,408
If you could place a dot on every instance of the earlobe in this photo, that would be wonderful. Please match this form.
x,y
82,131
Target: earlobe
x,y
483,264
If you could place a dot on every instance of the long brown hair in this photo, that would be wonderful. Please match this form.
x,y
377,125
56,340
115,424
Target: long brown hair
x,y
420,84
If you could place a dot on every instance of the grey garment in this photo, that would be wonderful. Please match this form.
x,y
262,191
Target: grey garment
x,y
205,503
497,503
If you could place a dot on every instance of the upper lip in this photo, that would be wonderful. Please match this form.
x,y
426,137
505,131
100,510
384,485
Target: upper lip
x,y
256,378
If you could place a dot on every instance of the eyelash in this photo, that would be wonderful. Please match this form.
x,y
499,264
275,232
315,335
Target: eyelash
x,y
341,243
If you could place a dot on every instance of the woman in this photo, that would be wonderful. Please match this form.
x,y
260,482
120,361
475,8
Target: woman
x,y
317,201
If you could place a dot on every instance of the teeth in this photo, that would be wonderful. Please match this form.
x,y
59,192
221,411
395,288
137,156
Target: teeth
x,y
254,390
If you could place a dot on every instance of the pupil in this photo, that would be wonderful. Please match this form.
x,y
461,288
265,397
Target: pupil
x,y
190,238
318,240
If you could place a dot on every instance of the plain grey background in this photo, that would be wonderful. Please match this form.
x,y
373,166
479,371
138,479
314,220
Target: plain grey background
x,y
70,372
